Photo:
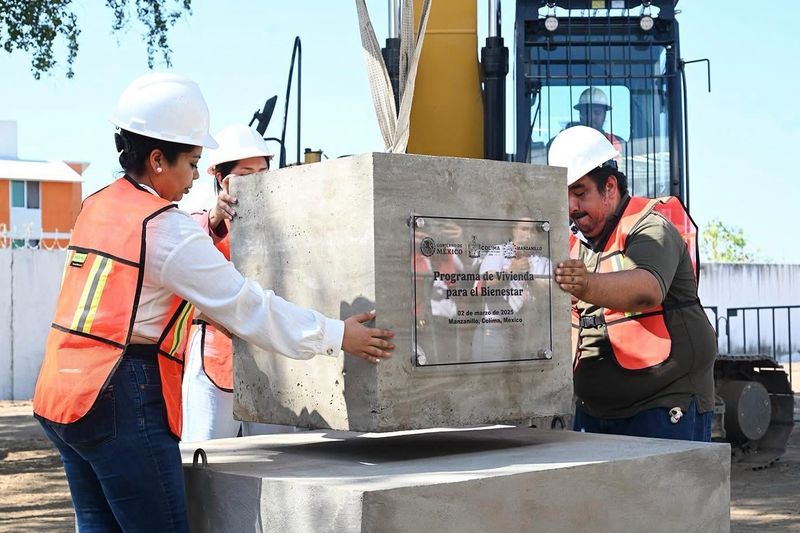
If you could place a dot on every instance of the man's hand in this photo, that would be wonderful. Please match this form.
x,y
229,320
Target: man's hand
x,y
223,210
628,291
366,343
572,277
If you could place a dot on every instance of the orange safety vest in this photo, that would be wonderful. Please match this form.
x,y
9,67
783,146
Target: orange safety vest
x,y
615,142
638,340
224,245
216,354
216,348
96,308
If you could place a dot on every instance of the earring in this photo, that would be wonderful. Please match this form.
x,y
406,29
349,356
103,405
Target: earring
x,y
158,170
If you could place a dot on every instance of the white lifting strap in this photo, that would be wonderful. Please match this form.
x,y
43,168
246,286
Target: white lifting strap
x,y
394,128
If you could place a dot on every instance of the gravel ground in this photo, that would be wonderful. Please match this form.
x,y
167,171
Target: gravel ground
x,y
35,497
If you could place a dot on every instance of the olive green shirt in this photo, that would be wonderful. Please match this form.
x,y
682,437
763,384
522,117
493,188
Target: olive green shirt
x,y
605,389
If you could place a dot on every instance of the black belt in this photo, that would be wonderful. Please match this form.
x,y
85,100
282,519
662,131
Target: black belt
x,y
594,321
144,352
204,324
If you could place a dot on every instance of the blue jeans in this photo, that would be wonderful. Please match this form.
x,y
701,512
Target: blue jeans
x,y
123,465
653,423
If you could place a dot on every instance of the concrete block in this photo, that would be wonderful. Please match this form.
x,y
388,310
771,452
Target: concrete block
x,y
335,237
490,479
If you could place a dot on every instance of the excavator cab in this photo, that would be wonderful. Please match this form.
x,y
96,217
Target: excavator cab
x,y
615,65
609,64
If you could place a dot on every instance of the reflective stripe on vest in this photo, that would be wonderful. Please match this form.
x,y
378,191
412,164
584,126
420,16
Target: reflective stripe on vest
x,y
638,340
96,306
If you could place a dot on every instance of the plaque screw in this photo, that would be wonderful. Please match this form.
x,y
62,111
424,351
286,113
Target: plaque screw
x,y
545,226
420,222
422,360
547,354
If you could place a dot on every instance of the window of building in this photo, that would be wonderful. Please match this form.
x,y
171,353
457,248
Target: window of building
x,y
25,194
32,194
17,194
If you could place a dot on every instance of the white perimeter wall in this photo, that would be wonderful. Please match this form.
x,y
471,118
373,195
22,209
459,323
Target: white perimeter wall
x,y
29,283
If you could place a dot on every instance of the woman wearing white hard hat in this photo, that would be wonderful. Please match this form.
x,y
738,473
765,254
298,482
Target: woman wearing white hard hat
x,y
109,389
208,379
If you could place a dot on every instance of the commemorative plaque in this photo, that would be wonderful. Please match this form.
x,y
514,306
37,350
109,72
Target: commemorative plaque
x,y
482,290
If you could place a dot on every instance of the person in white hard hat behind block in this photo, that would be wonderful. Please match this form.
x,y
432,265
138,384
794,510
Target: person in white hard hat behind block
x,y
208,379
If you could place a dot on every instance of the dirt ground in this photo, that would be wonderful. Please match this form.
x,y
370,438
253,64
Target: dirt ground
x,y
35,497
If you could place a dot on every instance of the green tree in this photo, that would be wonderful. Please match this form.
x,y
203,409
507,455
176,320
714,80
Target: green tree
x,y
726,244
34,27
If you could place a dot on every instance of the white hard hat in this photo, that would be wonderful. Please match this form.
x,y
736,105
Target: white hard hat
x,y
580,149
237,142
165,106
592,96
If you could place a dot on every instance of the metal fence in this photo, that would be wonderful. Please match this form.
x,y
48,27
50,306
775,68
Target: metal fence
x,y
770,330
31,238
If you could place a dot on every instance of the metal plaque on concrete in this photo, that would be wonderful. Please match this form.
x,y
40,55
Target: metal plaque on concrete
x,y
482,290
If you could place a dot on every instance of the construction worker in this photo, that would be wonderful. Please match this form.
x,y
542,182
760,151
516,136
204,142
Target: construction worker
x,y
109,389
644,349
592,108
208,378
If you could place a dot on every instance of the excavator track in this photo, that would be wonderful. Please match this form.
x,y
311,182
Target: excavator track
x,y
755,408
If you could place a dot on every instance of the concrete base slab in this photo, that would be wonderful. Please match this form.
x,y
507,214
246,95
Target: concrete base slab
x,y
489,479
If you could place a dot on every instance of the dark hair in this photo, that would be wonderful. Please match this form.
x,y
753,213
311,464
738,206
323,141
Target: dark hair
x,y
600,177
134,149
223,169
226,168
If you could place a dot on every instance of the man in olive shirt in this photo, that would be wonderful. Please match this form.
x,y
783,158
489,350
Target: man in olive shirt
x,y
644,348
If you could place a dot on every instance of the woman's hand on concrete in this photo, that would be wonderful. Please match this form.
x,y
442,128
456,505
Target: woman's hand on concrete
x,y
223,209
367,343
